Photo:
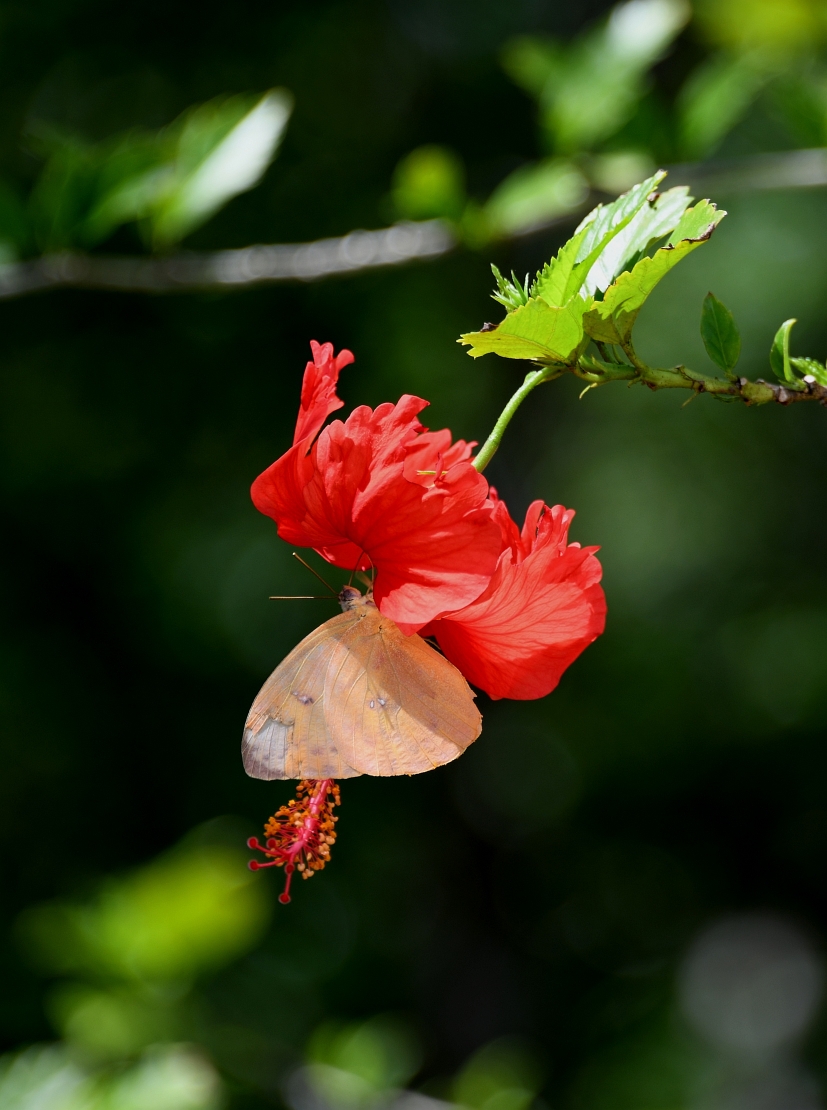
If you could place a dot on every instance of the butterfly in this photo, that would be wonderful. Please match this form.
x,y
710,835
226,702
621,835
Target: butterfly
x,y
357,697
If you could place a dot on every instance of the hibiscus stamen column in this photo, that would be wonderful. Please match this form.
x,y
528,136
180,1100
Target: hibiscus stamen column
x,y
300,834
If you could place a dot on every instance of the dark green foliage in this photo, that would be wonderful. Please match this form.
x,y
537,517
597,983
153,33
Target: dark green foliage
x,y
169,182
780,354
624,94
429,183
720,334
587,92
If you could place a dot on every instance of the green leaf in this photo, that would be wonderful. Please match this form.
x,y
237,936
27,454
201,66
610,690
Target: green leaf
x,y
716,96
511,293
697,223
428,183
188,911
533,195
131,176
533,331
223,149
47,1076
566,274
720,334
172,181
607,220
653,220
612,319
608,238
811,368
533,62
65,204
554,280
166,1077
383,1053
500,1074
610,369
14,225
588,90
780,354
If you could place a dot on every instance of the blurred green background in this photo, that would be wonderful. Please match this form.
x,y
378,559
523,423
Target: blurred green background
x,y
616,898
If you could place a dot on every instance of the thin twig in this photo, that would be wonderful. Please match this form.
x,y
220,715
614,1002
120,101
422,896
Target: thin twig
x,y
758,392
360,250
792,169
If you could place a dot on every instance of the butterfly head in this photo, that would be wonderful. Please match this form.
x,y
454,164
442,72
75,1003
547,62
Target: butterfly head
x,y
351,598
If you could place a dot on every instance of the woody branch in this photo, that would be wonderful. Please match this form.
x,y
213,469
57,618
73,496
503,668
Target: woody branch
x,y
758,392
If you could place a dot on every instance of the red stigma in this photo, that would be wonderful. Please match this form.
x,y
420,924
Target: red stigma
x,y
300,834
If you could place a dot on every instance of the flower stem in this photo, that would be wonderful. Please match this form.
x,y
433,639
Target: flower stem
x,y
535,378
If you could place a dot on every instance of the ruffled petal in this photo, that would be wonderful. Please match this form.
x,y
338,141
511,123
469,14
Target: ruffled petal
x,y
319,397
434,547
511,539
536,616
432,454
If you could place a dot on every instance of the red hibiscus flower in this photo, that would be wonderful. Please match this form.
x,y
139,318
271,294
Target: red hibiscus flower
x,y
378,490
542,607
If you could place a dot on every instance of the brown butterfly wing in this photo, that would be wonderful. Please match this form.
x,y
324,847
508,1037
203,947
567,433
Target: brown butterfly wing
x,y
393,704
286,736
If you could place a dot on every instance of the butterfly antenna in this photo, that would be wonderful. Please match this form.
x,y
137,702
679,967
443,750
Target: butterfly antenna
x,y
299,597
350,580
316,573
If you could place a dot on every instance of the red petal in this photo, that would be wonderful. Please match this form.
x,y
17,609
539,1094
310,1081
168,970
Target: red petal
x,y
434,549
432,454
319,398
546,526
508,529
536,616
